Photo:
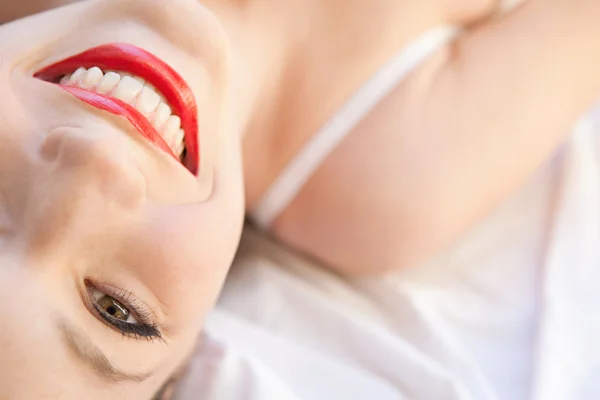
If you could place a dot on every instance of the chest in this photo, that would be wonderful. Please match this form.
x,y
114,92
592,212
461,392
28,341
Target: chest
x,y
349,211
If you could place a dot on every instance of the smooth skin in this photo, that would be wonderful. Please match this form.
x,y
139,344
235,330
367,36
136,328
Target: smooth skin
x,y
85,199
81,197
452,142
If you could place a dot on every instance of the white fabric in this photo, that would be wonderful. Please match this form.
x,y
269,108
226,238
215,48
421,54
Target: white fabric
x,y
511,313
291,180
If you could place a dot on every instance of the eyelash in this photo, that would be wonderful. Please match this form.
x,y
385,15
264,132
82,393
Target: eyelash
x,y
143,330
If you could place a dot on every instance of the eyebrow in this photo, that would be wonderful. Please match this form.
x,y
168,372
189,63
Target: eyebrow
x,y
87,352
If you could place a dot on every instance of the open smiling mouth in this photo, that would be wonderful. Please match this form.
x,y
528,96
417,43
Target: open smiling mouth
x,y
128,81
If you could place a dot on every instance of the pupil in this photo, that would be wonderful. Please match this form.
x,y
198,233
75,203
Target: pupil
x,y
113,308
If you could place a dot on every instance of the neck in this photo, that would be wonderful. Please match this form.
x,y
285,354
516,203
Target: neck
x,y
284,53
263,35
267,38
271,38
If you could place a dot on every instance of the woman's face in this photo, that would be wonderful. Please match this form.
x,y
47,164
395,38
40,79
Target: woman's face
x,y
111,251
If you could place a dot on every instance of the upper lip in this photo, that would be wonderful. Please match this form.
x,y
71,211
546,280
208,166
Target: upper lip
x,y
132,59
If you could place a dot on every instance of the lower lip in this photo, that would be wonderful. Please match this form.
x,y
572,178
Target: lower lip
x,y
126,57
118,107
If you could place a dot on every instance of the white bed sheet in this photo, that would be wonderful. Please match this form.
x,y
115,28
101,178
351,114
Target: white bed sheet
x,y
511,313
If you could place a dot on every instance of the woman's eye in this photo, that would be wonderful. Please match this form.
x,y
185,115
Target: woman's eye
x,y
113,307
123,312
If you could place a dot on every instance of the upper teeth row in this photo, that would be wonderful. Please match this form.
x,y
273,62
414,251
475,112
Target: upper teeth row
x,y
134,91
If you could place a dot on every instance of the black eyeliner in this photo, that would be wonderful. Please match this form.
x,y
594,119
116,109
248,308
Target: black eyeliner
x,y
143,329
137,330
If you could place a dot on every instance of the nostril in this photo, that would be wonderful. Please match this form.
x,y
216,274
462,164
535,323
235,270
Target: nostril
x,y
97,159
51,146
5,220
85,150
69,146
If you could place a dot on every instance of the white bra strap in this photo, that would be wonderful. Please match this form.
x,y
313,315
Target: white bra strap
x,y
291,180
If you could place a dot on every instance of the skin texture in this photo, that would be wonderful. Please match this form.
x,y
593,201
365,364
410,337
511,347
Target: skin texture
x,y
453,141
83,197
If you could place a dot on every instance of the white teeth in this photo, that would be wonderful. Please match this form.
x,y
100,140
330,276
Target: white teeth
x,y
178,143
136,92
176,137
171,127
127,89
147,101
92,77
137,78
162,114
77,76
108,82
170,132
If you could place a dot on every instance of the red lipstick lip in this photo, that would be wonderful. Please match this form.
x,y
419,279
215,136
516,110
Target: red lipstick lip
x,y
132,59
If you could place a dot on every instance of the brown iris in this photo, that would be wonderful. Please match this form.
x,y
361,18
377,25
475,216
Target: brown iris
x,y
113,308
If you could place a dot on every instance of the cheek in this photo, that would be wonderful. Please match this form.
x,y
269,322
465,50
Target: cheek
x,y
183,255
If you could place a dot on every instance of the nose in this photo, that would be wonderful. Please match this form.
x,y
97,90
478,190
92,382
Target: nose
x,y
100,161
88,182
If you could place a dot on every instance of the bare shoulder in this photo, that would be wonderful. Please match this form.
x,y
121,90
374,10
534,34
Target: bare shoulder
x,y
438,154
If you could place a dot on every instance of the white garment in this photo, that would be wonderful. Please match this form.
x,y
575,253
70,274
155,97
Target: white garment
x,y
512,313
